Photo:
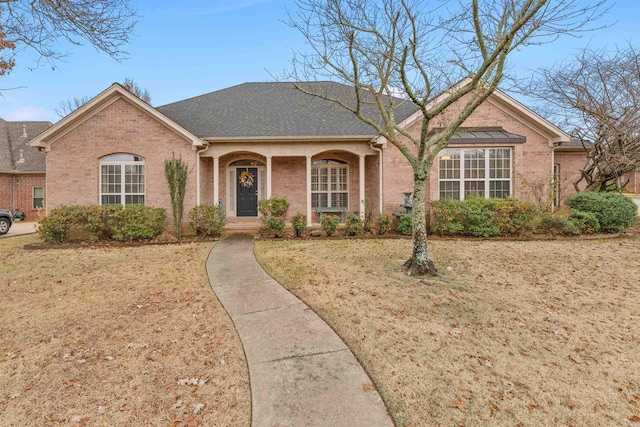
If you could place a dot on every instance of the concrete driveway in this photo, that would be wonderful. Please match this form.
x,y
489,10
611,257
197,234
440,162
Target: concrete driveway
x,y
21,227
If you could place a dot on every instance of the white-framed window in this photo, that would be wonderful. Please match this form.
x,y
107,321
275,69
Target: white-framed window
x,y
467,172
329,184
37,197
122,180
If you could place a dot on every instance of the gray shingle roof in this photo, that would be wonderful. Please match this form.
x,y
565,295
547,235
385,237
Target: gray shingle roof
x,y
16,156
575,145
273,110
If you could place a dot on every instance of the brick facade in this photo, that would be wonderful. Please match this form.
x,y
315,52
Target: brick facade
x,y
121,125
16,192
73,162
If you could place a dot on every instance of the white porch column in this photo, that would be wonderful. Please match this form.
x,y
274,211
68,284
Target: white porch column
x,y
361,185
268,177
308,190
216,180
197,178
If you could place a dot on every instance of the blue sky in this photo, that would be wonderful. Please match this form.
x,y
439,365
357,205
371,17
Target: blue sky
x,y
185,49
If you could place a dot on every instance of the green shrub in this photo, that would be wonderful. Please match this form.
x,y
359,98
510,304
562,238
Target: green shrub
x,y
275,206
176,171
405,226
354,225
587,222
330,224
275,226
138,223
132,223
299,223
383,224
207,220
555,225
52,230
481,217
614,212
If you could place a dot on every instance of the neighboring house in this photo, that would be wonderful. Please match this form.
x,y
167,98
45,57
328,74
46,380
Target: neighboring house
x,y
22,168
259,140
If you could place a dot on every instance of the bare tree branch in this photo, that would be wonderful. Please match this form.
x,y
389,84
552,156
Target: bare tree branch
x,y
596,95
423,48
70,105
41,24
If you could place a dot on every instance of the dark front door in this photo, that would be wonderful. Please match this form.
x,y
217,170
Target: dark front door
x,y
247,190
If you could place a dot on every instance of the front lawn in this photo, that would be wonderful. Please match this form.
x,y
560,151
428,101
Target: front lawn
x,y
116,336
517,333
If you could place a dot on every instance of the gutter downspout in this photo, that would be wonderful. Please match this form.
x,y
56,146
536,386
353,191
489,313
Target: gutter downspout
x,y
553,178
198,152
380,175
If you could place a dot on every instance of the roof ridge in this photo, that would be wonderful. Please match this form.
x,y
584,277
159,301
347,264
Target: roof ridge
x,y
247,84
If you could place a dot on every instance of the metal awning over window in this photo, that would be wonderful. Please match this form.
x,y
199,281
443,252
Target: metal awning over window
x,y
484,135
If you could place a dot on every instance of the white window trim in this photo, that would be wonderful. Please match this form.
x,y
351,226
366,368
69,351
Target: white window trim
x,y
329,192
123,194
487,174
33,197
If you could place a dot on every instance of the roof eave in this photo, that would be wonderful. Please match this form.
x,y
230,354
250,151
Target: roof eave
x,y
289,138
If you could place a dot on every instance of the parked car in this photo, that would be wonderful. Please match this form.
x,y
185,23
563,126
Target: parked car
x,y
6,219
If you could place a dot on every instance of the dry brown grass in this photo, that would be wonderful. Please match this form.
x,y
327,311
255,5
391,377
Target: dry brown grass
x,y
104,336
518,333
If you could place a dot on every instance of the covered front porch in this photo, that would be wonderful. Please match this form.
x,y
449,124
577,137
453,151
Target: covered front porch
x,y
335,176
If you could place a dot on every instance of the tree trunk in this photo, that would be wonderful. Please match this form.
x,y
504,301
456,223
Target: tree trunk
x,y
419,263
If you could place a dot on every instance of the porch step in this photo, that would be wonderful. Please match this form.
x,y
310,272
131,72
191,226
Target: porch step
x,y
236,225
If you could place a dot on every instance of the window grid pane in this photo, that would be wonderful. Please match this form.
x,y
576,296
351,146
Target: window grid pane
x,y
474,178
329,185
128,170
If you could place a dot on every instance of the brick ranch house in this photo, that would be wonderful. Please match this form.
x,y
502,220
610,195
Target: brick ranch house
x,y
22,169
258,140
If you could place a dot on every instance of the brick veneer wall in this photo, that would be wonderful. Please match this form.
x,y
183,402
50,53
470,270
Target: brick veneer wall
x,y
73,162
6,191
16,192
531,160
289,179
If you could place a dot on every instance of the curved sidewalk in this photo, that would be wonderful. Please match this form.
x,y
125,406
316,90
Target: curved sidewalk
x,y
301,373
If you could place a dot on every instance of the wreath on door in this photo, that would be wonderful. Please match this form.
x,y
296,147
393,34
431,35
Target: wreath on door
x,y
246,179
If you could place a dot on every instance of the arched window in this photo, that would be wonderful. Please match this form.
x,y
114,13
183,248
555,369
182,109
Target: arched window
x,y
329,184
122,180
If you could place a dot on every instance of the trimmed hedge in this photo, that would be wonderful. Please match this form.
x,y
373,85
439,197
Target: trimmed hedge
x,y
275,206
330,224
614,212
207,220
299,223
92,223
405,225
480,217
354,225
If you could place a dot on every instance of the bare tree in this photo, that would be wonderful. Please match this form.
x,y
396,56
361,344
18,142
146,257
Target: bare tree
x,y
133,87
596,96
70,105
421,49
41,24
6,64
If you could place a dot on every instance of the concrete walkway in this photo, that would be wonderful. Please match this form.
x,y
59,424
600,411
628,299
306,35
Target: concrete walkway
x,y
21,227
301,373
